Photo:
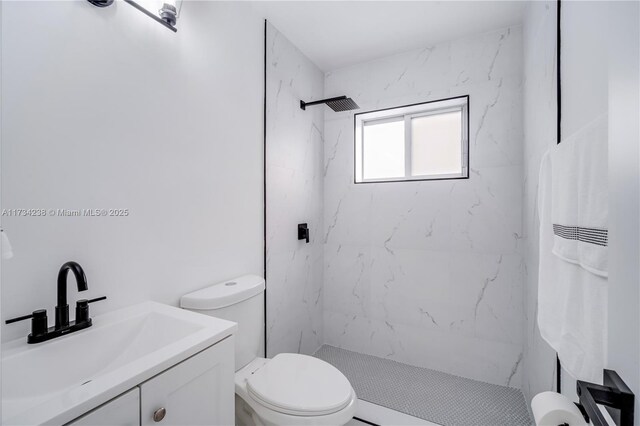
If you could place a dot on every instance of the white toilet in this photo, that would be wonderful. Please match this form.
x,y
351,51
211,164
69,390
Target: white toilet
x,y
289,389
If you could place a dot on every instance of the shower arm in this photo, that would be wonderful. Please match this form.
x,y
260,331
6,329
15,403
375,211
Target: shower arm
x,y
304,104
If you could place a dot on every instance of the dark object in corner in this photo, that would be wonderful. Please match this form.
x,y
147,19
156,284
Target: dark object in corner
x,y
614,394
303,232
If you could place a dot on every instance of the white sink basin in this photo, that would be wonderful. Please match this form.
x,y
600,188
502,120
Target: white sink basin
x,y
59,380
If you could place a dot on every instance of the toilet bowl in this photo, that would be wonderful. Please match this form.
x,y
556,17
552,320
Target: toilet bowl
x,y
289,389
292,389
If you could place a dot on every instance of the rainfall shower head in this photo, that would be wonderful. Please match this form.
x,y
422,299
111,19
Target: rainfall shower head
x,y
341,103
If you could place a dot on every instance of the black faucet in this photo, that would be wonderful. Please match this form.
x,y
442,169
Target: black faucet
x,y
40,330
62,308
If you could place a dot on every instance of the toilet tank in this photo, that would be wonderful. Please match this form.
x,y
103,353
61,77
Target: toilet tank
x,y
240,300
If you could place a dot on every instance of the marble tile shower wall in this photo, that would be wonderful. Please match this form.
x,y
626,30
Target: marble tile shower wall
x,y
431,273
294,156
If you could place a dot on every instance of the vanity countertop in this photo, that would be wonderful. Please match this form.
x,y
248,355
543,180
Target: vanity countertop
x,y
56,381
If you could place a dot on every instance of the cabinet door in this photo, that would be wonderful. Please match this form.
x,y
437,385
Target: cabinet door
x,y
123,410
198,391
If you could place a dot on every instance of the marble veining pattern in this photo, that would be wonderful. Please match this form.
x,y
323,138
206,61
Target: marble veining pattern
x,y
431,273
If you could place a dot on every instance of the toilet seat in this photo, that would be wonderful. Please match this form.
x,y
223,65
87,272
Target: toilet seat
x,y
300,385
274,414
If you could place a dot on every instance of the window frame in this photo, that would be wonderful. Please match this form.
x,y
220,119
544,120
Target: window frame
x,y
407,113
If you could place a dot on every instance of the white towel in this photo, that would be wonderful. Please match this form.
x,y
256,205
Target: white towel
x,y
572,302
579,207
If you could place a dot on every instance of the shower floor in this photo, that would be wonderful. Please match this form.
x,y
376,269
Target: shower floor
x,y
431,395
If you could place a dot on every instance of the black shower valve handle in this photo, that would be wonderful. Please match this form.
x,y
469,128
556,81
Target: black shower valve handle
x,y
303,232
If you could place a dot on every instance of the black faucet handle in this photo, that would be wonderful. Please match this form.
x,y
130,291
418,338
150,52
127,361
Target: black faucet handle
x,y
35,314
82,308
85,302
16,319
39,321
82,311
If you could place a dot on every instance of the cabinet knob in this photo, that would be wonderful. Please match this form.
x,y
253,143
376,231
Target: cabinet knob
x,y
159,414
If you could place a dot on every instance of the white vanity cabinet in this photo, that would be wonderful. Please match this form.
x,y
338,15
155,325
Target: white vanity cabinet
x,y
122,411
197,391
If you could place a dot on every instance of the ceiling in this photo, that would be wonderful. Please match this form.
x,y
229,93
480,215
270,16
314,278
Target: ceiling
x,y
336,34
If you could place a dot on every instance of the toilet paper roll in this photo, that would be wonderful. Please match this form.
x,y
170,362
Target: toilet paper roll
x,y
553,409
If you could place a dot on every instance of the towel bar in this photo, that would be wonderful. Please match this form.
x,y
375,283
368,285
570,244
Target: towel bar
x,y
613,393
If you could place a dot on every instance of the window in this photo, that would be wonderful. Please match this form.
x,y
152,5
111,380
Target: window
x,y
416,142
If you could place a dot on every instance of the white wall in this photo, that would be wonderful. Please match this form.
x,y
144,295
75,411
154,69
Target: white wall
x,y
294,195
540,108
104,108
430,273
624,175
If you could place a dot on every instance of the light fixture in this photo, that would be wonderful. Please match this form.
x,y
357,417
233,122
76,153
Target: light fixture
x,y
168,12
101,3
7,251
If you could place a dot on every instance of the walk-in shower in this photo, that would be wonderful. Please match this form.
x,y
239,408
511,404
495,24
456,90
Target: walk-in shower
x,y
412,289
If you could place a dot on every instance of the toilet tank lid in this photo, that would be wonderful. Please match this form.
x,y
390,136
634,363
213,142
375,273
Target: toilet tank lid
x,y
224,294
